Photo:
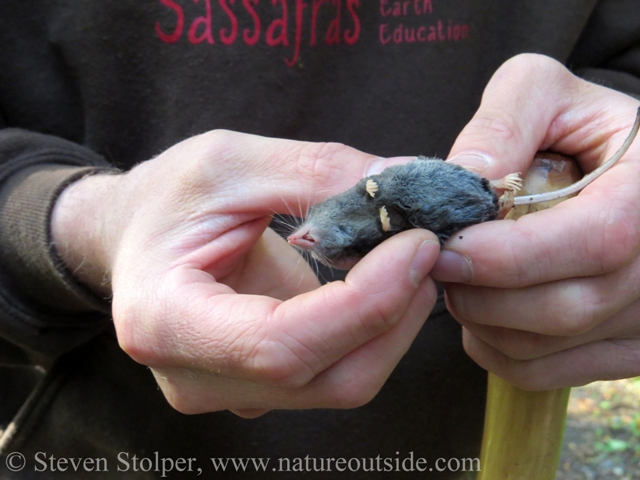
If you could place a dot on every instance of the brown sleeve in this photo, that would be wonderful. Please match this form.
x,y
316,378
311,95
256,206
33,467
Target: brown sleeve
x,y
43,309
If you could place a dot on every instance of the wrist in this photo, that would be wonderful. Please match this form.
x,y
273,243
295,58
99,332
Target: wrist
x,y
82,232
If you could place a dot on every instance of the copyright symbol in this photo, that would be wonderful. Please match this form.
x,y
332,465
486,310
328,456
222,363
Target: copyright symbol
x,y
15,461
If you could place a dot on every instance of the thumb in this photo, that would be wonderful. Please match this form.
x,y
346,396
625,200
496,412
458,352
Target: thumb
x,y
519,104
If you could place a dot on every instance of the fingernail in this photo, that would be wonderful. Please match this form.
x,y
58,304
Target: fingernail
x,y
452,267
422,262
476,162
379,164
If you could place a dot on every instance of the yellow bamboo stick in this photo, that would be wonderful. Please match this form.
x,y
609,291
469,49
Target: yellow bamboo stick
x,y
522,432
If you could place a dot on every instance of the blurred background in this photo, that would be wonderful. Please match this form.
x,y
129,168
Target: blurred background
x,y
602,435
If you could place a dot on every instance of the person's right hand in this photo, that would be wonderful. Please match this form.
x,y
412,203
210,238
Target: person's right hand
x,y
224,311
550,300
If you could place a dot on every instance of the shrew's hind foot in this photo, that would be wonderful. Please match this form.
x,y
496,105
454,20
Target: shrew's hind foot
x,y
509,183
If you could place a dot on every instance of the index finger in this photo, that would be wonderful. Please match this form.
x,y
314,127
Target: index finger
x,y
594,233
587,235
278,175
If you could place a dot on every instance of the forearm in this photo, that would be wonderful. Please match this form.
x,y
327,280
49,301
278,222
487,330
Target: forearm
x,y
42,306
81,229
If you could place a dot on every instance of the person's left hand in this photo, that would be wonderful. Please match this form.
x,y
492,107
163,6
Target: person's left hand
x,y
223,311
552,299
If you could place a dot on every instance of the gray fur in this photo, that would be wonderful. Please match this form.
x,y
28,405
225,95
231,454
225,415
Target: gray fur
x,y
426,193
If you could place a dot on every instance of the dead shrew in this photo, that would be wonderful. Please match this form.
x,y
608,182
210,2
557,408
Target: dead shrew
x,y
425,193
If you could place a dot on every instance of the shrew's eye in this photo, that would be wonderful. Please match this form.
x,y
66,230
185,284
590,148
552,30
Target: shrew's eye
x,y
344,229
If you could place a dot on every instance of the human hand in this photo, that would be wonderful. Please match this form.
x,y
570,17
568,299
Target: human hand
x,y
222,309
552,299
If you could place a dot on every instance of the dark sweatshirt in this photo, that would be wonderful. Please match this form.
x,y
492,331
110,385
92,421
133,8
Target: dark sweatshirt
x,y
92,85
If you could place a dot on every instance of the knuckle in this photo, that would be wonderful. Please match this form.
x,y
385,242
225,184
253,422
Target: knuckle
x,y
525,374
620,241
140,326
496,124
355,395
179,402
186,390
374,313
204,155
534,70
517,344
520,373
381,319
183,402
583,309
574,324
525,378
126,317
249,413
174,391
275,365
195,164
527,64
217,143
